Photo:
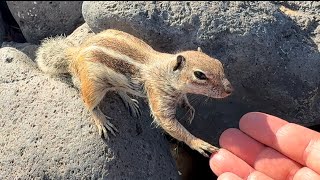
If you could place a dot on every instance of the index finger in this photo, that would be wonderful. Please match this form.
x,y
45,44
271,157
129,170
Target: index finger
x,y
294,141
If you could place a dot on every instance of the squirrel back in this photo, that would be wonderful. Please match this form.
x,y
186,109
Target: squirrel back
x,y
55,54
51,56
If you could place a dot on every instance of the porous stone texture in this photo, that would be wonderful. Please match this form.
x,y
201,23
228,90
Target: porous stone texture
x,y
40,19
270,51
47,133
307,17
270,56
27,48
2,30
80,34
310,7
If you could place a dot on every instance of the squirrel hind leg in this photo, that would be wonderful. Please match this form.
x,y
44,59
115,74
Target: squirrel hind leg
x,y
93,91
92,96
92,100
131,104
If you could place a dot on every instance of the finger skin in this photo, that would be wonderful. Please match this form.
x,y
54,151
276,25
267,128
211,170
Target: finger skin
x,y
241,145
262,158
312,155
296,142
306,173
228,176
256,175
261,127
224,161
276,165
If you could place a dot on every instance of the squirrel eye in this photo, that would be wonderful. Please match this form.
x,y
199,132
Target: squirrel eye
x,y
200,75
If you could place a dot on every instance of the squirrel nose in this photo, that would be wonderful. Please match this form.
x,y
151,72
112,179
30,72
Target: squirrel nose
x,y
228,88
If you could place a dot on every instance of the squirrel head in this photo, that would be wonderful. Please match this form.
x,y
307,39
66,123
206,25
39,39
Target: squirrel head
x,y
197,73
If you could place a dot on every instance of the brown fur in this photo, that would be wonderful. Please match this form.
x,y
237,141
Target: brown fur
x,y
116,61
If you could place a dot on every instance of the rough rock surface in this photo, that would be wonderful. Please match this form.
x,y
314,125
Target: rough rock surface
x,y
47,133
27,48
2,30
270,57
270,51
40,19
80,34
307,16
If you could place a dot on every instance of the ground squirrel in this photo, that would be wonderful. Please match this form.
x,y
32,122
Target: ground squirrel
x,y
113,60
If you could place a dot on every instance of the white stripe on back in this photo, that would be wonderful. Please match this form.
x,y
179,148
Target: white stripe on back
x,y
114,54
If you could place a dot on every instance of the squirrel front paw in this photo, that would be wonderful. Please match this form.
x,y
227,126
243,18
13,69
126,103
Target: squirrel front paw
x,y
202,146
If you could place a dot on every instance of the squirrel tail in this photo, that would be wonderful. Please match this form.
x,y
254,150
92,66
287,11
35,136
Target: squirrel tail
x,y
51,56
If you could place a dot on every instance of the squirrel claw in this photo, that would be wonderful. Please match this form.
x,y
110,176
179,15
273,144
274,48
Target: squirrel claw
x,y
201,146
134,108
191,112
106,126
109,118
131,104
104,134
103,130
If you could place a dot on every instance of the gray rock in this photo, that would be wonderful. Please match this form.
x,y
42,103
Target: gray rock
x,y
47,133
172,26
306,15
271,58
310,7
80,34
2,30
40,19
27,48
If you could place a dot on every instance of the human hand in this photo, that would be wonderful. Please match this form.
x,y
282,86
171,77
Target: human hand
x,y
267,147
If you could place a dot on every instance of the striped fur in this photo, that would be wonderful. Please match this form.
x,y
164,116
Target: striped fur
x,y
117,61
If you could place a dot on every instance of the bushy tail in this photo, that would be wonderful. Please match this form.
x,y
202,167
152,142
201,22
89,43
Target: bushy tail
x,y
51,56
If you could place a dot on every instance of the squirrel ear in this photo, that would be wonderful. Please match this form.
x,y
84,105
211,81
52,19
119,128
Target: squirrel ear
x,y
180,62
199,49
